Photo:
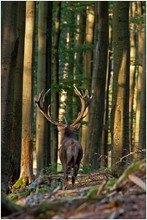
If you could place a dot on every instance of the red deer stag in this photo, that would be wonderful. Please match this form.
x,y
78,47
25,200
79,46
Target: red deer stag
x,y
70,152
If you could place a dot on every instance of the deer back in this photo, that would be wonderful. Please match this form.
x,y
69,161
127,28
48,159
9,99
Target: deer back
x,y
70,148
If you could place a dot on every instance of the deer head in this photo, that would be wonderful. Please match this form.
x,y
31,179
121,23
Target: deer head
x,y
70,152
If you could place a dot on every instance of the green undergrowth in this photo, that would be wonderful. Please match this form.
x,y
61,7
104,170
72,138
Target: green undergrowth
x,y
93,192
15,196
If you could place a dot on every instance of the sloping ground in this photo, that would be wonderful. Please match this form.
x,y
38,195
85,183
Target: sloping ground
x,y
95,196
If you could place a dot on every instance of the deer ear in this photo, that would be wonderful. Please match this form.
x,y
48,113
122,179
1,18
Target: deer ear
x,y
76,127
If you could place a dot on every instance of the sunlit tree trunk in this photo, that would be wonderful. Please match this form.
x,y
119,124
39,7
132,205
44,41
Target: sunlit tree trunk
x,y
120,102
27,136
17,102
8,62
142,131
92,153
141,36
132,74
42,125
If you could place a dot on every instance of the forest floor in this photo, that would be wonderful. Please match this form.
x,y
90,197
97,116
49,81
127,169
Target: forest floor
x,y
95,196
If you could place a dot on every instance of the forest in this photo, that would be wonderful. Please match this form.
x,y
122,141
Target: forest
x,y
82,65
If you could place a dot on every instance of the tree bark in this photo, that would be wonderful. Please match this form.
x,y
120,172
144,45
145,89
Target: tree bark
x,y
56,82
142,132
98,85
42,125
133,46
140,47
17,102
87,67
27,136
120,101
9,55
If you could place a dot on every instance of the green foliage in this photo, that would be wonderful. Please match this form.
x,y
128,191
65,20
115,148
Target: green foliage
x,y
139,21
52,168
85,169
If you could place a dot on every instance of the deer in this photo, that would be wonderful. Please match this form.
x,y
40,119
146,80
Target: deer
x,y
70,152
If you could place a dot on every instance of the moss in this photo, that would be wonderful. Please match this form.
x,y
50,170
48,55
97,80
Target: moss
x,y
24,194
21,183
110,183
13,196
42,190
92,193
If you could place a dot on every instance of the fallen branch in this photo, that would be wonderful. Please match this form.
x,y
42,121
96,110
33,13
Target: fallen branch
x,y
135,179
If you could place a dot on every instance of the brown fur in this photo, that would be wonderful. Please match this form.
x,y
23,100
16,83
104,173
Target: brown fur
x,y
70,154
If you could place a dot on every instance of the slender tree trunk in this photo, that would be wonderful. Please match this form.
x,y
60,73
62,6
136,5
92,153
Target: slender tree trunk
x,y
132,75
98,85
142,132
47,151
27,136
42,124
87,67
17,102
141,36
104,146
55,73
9,56
120,102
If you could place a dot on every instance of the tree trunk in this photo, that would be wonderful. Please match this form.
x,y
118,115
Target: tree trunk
x,y
41,123
9,56
141,36
47,150
17,102
98,85
56,82
27,136
87,67
120,102
132,75
142,132
104,146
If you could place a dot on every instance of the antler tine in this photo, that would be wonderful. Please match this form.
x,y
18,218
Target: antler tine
x,y
77,91
45,95
46,110
82,98
85,101
37,99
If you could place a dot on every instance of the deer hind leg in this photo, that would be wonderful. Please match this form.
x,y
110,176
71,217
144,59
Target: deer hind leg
x,y
66,173
75,172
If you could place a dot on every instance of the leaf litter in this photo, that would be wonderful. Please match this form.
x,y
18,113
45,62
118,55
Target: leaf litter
x,y
95,196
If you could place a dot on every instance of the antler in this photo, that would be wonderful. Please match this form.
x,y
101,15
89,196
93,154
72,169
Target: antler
x,y
46,110
85,101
